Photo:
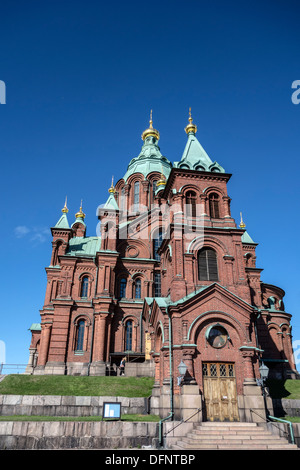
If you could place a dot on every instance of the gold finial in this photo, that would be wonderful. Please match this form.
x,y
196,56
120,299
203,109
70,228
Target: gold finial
x,y
80,214
242,224
112,188
150,130
190,127
65,209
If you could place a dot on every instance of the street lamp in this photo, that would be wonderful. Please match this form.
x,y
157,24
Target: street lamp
x,y
264,372
182,370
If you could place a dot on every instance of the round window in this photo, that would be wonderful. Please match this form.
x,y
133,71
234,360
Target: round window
x,y
217,336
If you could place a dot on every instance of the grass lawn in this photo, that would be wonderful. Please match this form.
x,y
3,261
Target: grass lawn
x,y
17,384
284,388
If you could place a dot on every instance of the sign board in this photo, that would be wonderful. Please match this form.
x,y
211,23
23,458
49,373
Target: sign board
x,y
111,410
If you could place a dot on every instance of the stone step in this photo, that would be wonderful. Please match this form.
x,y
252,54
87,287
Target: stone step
x,y
219,437
180,445
220,424
246,432
249,442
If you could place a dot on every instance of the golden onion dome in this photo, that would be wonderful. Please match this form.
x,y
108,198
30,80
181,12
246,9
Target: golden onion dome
x,y
150,131
242,223
190,127
112,188
80,214
65,210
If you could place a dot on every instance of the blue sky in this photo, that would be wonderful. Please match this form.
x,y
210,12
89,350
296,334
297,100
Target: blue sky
x,y
81,78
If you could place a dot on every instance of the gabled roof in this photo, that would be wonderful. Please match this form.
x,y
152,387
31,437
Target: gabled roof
x,y
166,302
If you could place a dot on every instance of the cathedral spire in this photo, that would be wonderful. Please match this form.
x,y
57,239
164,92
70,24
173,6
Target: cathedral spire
x,y
191,127
150,131
65,210
242,223
80,214
112,188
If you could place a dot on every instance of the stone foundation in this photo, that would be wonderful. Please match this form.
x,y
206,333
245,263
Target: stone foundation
x,y
54,405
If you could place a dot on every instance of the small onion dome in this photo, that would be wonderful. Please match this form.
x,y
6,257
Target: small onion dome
x,y
112,188
242,223
162,181
191,127
65,210
80,214
150,131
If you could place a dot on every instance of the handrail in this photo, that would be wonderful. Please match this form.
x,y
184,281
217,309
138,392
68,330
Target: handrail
x,y
291,433
161,435
183,421
290,426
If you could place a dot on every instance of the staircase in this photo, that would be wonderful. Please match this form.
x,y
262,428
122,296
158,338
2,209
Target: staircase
x,y
232,436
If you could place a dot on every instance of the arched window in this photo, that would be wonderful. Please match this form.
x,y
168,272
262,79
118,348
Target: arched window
x,y
84,287
122,201
157,285
191,204
157,243
136,195
207,265
154,188
128,335
80,335
137,289
123,283
55,253
214,211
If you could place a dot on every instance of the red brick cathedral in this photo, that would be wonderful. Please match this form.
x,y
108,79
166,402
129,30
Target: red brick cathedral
x,y
170,278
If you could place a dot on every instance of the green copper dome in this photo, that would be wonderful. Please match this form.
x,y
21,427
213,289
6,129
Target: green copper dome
x,y
150,158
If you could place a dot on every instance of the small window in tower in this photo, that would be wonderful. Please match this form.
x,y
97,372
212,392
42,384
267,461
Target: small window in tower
x,y
122,202
157,243
214,206
191,204
157,285
80,335
136,196
137,289
84,287
207,265
123,284
154,188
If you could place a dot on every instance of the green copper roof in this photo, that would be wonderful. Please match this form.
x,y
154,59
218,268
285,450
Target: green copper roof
x,y
63,222
83,246
247,239
35,327
111,203
150,159
194,157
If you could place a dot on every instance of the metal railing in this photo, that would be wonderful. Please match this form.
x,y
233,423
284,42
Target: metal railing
x,y
162,436
6,369
290,433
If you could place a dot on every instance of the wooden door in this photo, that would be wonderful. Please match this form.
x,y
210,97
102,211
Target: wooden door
x,y
220,391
